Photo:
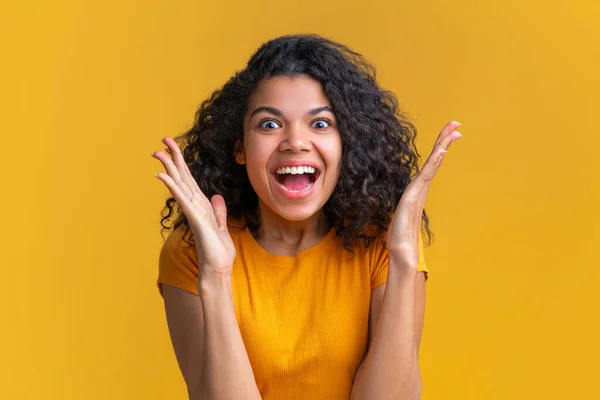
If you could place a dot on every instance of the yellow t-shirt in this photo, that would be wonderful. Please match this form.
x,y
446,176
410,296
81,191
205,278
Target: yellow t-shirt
x,y
304,319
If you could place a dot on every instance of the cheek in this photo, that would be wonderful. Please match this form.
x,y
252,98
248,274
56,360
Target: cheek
x,y
332,151
257,157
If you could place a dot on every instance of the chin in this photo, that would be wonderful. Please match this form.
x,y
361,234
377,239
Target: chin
x,y
297,213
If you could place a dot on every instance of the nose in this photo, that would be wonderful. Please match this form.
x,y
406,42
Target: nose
x,y
296,139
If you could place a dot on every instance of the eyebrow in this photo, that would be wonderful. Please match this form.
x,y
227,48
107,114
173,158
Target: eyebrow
x,y
279,113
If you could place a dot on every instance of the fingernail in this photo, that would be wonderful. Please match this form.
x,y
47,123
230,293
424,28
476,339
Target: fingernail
x,y
456,123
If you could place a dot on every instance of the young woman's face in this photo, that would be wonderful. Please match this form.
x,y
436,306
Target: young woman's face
x,y
292,147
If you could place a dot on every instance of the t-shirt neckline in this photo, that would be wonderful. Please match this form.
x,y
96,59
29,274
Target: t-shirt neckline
x,y
326,243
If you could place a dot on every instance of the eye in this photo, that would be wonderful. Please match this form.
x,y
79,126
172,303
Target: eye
x,y
269,124
321,124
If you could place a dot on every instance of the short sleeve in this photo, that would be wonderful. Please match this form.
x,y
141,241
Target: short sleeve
x,y
380,260
178,264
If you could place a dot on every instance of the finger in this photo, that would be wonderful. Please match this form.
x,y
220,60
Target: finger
x,y
423,179
177,158
190,204
182,168
172,171
447,130
220,210
445,141
448,140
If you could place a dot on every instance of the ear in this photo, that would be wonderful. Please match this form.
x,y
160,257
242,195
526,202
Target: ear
x,y
238,151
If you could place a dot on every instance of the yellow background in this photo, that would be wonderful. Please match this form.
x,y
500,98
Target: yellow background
x,y
89,88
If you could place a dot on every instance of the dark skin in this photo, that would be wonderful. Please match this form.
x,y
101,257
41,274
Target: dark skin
x,y
289,227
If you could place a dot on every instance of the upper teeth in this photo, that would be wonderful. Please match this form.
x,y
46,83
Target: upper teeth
x,y
295,170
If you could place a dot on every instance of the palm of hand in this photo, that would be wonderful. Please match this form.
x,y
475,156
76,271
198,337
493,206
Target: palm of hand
x,y
207,219
404,230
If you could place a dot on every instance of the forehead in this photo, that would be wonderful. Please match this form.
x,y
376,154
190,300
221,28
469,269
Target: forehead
x,y
289,94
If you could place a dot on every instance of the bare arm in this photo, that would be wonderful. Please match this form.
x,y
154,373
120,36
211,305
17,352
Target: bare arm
x,y
185,322
390,369
208,343
204,330
228,373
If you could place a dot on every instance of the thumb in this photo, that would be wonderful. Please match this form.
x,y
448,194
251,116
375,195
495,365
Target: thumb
x,y
220,210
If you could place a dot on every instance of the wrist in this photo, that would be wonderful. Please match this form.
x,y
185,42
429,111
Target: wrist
x,y
209,283
216,295
399,262
402,270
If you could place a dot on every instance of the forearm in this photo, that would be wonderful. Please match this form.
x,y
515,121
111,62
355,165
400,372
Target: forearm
x,y
390,369
226,370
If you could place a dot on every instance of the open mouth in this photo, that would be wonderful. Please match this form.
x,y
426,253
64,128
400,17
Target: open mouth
x,y
296,179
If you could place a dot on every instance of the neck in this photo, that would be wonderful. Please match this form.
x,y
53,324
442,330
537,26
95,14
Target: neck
x,y
300,234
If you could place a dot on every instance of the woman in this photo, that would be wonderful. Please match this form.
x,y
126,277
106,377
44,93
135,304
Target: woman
x,y
303,277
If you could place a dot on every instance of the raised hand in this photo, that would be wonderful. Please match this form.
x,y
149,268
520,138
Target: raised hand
x,y
404,230
207,219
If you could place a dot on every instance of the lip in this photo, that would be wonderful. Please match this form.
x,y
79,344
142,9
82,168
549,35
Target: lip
x,y
296,163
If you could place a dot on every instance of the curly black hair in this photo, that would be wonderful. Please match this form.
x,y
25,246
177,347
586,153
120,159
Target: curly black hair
x,y
379,155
